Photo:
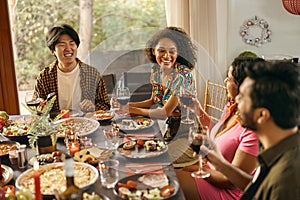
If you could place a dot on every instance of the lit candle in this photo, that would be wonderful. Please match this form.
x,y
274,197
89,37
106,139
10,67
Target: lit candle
x,y
37,184
9,189
74,147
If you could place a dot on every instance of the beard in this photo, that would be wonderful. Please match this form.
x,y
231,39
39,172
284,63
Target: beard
x,y
247,120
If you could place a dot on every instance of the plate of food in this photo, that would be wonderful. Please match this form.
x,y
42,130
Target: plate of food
x,y
101,115
16,129
53,177
146,186
134,124
54,157
7,175
92,155
7,146
142,148
94,196
81,125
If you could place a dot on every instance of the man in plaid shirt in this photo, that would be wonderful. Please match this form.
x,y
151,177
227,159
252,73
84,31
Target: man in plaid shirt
x,y
77,85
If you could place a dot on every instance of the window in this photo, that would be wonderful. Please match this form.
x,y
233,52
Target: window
x,y
119,25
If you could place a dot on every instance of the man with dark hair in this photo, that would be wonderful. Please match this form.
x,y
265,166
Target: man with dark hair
x,y
77,85
268,103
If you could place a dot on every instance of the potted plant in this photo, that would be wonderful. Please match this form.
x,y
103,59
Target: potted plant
x,y
42,132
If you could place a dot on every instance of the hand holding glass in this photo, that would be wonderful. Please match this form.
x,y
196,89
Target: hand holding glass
x,y
123,95
186,100
196,139
32,99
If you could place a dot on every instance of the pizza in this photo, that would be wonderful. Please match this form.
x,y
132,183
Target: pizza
x,y
53,177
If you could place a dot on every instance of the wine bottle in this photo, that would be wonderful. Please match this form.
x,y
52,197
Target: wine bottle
x,y
72,191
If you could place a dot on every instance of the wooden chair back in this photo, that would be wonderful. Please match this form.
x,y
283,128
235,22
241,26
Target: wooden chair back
x,y
215,100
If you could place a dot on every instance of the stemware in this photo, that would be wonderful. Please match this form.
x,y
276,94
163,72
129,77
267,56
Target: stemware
x,y
123,95
196,139
186,100
32,99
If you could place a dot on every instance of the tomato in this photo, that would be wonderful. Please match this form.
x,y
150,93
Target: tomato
x,y
2,120
167,191
25,128
8,132
140,142
1,127
131,184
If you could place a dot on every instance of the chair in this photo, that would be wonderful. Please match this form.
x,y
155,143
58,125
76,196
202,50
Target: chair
x,y
110,82
215,100
139,85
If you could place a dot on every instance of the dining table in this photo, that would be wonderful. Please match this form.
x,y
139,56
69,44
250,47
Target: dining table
x,y
163,160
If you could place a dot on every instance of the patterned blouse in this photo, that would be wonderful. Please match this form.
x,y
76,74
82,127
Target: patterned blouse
x,y
91,83
180,76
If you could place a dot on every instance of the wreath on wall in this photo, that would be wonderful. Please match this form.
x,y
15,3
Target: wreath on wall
x,y
247,33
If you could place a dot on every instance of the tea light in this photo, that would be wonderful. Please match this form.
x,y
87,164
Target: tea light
x,y
74,147
37,184
9,189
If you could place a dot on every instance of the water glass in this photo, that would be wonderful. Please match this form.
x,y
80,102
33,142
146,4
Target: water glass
x,y
13,157
109,173
111,138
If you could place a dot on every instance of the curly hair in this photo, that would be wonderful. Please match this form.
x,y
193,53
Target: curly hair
x,y
186,48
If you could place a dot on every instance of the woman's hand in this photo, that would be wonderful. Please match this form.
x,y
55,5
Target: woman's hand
x,y
87,105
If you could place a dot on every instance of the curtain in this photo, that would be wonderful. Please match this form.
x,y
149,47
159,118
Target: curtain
x,y
206,22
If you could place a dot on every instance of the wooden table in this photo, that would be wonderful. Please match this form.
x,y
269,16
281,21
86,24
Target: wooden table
x,y
99,139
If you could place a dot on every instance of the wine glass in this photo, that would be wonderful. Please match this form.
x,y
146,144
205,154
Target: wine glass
x,y
32,99
198,137
123,95
186,100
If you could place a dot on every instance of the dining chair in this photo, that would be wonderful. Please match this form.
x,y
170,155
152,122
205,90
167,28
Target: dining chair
x,y
215,100
138,84
110,82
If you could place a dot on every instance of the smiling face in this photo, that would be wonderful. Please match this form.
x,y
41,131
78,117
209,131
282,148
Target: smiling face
x,y
65,51
231,86
166,53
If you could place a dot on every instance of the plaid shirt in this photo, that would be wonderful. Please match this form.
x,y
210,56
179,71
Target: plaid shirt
x,y
92,85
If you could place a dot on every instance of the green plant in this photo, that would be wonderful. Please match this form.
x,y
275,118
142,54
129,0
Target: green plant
x,y
41,124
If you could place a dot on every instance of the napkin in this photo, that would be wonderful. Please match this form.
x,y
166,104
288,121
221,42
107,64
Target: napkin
x,y
144,136
144,168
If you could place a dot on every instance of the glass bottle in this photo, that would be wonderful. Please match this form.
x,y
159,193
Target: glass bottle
x,y
72,191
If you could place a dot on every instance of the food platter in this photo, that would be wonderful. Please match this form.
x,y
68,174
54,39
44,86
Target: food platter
x,y
143,187
53,177
90,196
92,155
6,146
16,128
150,148
7,174
81,125
101,115
134,124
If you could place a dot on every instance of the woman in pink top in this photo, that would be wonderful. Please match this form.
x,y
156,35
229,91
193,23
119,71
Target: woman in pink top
x,y
237,144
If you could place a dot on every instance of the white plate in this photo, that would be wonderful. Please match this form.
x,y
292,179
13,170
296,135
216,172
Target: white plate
x,y
56,177
84,126
141,186
131,124
140,152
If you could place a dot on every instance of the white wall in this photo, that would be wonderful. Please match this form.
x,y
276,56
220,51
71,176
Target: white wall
x,y
285,27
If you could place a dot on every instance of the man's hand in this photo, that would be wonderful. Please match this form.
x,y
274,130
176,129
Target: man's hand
x,y
87,105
